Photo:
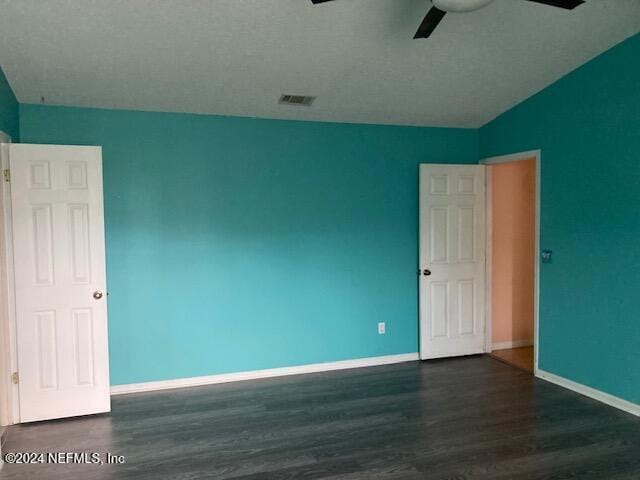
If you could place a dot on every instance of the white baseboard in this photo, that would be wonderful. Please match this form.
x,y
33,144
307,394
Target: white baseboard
x,y
599,395
255,374
511,344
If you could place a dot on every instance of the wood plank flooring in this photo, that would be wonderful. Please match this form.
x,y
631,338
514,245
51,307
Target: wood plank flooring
x,y
467,419
521,357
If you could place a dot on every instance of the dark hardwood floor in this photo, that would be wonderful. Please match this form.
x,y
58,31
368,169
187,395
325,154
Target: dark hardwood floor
x,y
465,418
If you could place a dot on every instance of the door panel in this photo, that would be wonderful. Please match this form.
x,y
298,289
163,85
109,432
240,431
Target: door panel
x,y
58,229
452,248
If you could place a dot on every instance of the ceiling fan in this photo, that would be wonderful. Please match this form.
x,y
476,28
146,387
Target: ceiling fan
x,y
441,7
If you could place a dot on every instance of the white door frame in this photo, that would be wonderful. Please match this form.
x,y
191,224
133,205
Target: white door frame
x,y
535,154
9,392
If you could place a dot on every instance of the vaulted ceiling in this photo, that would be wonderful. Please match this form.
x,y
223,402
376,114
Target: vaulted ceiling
x,y
236,57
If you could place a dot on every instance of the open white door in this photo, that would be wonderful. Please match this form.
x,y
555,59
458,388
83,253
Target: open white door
x,y
60,281
452,260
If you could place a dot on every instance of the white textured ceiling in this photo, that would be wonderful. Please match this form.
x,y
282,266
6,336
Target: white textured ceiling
x,y
235,57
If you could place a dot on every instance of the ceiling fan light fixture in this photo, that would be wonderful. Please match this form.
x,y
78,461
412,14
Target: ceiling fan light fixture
x,y
460,6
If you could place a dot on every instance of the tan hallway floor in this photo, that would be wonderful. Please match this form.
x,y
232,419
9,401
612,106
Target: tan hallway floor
x,y
518,357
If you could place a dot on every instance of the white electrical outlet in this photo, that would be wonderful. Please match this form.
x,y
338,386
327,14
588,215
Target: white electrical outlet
x,y
382,328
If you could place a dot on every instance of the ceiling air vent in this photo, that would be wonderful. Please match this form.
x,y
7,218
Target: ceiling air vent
x,y
302,100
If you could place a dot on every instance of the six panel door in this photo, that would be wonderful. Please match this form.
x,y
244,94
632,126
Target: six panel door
x,y
452,260
60,280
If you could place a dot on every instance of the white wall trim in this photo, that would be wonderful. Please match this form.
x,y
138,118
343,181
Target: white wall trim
x,y
537,154
9,394
511,344
599,395
488,271
512,157
267,373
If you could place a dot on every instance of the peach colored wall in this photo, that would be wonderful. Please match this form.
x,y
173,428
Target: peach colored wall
x,y
513,250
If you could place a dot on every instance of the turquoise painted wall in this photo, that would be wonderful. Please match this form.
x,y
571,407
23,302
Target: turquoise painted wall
x,y
238,244
588,127
9,110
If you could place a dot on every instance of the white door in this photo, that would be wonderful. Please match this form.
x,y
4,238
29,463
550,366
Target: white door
x,y
452,260
60,281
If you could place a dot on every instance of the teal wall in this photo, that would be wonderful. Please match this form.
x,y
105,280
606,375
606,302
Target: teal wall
x,y
588,127
238,244
9,109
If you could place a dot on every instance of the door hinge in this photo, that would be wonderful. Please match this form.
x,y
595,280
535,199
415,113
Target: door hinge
x,y
7,175
15,378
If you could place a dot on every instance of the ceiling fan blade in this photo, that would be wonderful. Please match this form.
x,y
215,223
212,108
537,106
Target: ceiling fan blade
x,y
567,4
429,23
319,1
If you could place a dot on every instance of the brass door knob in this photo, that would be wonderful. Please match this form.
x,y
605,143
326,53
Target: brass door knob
x,y
97,294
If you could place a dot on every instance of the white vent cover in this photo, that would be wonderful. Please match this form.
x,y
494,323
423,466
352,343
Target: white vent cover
x,y
303,100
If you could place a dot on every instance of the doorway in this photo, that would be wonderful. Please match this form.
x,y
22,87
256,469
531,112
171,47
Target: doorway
x,y
512,252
